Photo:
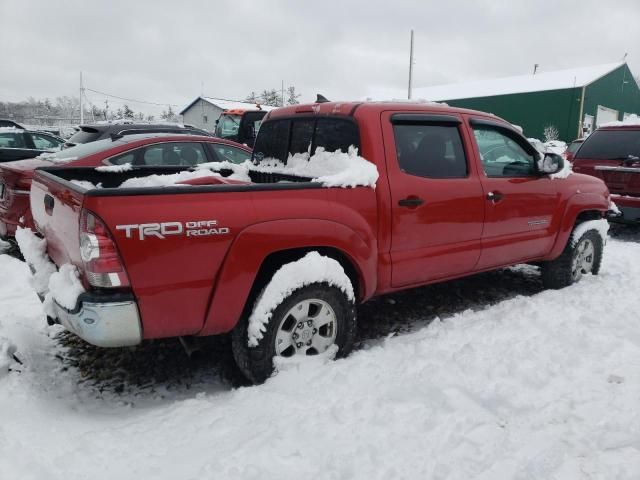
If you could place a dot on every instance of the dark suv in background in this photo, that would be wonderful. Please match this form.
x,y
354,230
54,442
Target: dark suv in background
x,y
99,131
612,153
19,143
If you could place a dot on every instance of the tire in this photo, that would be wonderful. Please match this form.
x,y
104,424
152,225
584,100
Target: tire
x,y
256,363
574,261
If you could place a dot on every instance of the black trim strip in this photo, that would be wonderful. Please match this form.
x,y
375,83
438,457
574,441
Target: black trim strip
x,y
410,118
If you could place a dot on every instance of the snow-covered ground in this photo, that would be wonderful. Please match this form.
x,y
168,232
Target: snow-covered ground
x,y
489,377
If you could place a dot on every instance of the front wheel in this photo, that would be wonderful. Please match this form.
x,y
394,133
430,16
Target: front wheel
x,y
579,258
307,322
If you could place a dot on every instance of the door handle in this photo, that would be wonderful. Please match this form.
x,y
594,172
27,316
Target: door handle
x,y
411,202
495,196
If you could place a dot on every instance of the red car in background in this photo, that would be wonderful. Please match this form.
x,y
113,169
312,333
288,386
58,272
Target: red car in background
x,y
147,149
612,153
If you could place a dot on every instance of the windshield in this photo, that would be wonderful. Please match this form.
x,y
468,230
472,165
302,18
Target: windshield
x,y
228,126
611,145
79,151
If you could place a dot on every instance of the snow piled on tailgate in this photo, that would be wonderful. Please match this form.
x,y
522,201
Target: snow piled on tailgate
x,y
312,268
62,286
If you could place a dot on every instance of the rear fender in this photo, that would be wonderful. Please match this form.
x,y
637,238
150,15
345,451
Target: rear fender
x,y
255,243
580,203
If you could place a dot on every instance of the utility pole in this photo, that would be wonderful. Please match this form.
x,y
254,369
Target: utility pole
x,y
410,66
282,93
81,100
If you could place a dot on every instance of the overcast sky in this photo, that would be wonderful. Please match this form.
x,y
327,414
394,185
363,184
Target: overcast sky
x,y
170,51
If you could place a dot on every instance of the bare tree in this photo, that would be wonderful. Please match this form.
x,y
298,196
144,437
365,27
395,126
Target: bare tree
x,y
551,133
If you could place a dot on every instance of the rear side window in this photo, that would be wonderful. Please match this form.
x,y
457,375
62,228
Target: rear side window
x,y
174,153
11,140
281,138
44,142
433,151
573,147
611,145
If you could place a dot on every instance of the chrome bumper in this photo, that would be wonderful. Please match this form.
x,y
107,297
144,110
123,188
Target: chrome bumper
x,y
103,323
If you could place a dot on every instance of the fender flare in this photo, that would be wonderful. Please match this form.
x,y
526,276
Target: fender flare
x,y
576,204
255,243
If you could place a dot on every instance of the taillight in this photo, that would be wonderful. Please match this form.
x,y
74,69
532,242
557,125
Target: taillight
x,y
102,264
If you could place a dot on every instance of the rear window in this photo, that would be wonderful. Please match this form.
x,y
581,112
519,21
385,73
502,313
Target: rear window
x,y
611,145
79,151
280,138
85,135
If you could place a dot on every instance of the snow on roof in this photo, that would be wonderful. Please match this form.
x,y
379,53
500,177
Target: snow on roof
x,y
570,78
228,104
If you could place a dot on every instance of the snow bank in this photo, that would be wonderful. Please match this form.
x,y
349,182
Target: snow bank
x,y
7,350
34,251
64,287
331,169
631,120
601,226
312,268
125,167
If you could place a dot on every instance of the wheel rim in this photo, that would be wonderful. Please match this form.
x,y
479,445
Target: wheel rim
x,y
582,259
309,328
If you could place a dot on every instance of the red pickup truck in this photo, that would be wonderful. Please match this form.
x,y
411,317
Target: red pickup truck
x,y
280,259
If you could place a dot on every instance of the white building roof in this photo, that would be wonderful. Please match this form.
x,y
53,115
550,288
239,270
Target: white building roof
x,y
228,104
542,81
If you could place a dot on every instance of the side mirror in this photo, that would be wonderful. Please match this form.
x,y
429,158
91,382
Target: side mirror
x,y
550,163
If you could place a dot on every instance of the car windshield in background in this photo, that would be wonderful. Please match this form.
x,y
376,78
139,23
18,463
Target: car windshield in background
x,y
611,145
85,135
79,151
229,125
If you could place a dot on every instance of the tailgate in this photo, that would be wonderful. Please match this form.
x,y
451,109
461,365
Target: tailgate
x,y
56,207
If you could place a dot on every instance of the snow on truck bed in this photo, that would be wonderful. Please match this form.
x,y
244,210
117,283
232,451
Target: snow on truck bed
x,y
544,386
331,169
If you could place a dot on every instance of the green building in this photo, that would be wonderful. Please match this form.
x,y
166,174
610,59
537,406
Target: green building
x,y
573,101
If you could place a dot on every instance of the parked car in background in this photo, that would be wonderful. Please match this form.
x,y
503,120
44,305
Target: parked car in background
x,y
612,153
241,125
280,259
98,131
141,149
573,148
18,143
6,123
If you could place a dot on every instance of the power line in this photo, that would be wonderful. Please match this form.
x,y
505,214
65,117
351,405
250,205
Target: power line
x,y
132,99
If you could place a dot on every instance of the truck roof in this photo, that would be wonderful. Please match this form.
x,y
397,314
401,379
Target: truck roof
x,y
350,108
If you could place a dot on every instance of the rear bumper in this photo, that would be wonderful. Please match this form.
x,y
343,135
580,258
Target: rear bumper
x,y
103,320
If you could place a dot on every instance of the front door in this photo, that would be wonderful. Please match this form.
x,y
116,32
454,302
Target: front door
x,y
520,202
437,207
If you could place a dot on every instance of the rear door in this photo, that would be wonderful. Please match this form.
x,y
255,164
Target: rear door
x,y
521,203
437,205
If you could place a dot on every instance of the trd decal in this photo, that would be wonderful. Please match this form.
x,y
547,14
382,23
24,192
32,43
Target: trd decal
x,y
199,228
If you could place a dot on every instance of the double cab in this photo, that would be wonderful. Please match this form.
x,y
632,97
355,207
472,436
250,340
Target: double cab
x,y
281,260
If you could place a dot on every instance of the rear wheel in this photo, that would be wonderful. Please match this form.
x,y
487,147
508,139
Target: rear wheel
x,y
308,322
578,258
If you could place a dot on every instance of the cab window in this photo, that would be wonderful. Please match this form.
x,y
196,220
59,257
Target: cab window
x,y
428,150
501,154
